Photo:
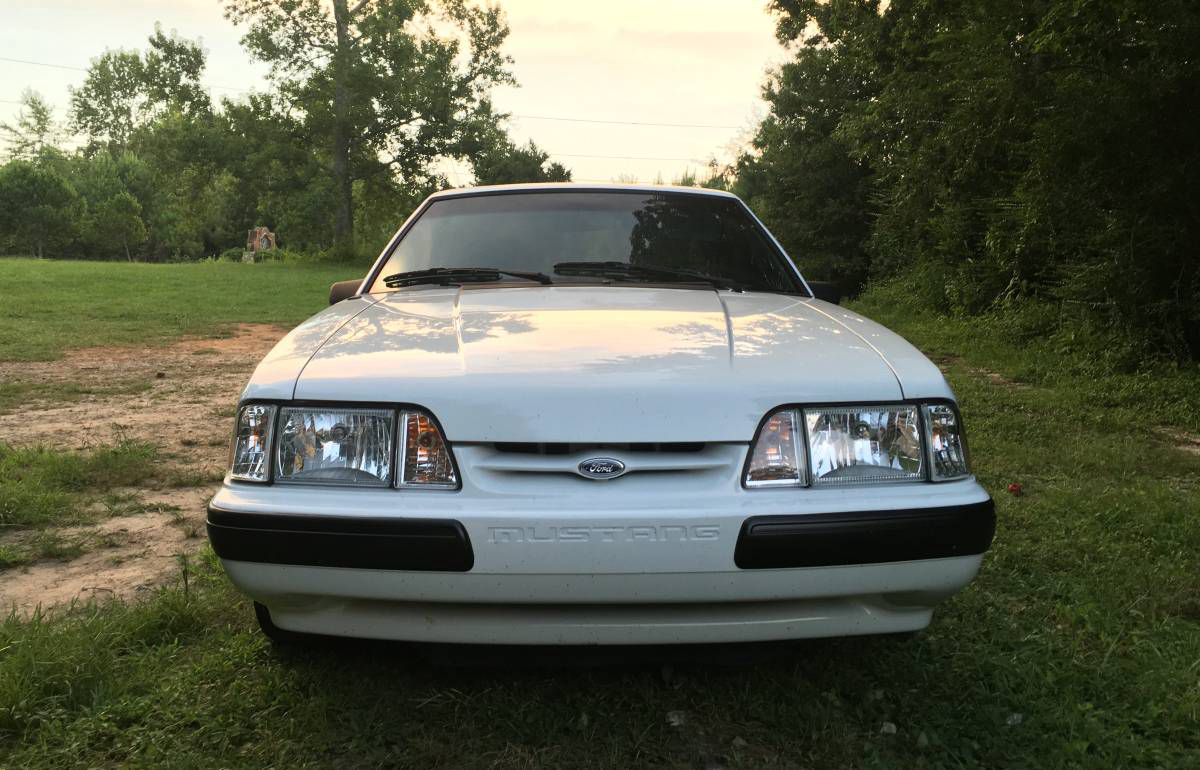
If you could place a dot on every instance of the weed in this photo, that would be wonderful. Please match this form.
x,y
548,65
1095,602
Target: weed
x,y
18,394
40,487
193,477
52,544
12,555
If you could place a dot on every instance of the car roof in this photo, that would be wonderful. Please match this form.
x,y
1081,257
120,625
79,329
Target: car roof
x,y
578,187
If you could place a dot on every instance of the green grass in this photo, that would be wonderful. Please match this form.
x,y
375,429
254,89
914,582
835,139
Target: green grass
x,y
16,395
1077,647
41,487
13,555
55,305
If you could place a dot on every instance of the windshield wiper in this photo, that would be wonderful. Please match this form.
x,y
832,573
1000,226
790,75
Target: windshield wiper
x,y
450,275
625,271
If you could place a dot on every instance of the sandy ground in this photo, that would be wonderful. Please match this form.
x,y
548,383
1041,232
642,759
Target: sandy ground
x,y
187,410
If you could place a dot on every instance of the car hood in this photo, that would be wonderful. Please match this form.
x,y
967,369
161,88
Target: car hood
x,y
599,364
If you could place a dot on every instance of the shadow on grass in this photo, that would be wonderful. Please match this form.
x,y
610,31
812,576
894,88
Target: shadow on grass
x,y
501,659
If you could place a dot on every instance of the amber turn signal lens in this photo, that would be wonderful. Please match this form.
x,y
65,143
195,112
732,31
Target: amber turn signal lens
x,y
777,459
425,458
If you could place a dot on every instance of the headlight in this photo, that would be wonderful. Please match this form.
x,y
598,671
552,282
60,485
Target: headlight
x,y
831,446
347,446
849,445
335,446
252,443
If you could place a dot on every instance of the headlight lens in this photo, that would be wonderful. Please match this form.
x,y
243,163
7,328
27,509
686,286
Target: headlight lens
x,y
336,446
850,445
831,446
777,458
425,458
947,444
252,443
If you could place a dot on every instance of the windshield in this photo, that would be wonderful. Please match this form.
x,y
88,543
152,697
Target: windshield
x,y
543,232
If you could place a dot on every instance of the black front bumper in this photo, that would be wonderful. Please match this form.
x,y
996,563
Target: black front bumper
x,y
866,537
442,545
425,545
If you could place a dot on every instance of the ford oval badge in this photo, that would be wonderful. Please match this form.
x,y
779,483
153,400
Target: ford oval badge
x,y
601,468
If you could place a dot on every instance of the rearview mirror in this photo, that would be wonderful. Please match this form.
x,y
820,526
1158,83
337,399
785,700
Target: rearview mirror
x,y
826,291
343,290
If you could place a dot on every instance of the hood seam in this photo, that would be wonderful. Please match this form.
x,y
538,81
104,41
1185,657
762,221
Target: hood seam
x,y
728,328
324,342
868,343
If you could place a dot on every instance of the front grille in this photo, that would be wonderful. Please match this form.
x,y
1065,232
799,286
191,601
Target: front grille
x,y
532,448
512,468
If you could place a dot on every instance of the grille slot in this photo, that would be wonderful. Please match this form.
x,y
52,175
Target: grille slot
x,y
496,466
549,449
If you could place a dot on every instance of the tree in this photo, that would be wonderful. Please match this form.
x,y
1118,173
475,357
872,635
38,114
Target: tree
x,y
35,131
997,152
814,194
379,87
125,90
507,163
35,206
121,205
116,221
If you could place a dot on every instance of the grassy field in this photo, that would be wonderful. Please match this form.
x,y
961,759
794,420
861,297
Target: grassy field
x,y
53,305
1078,646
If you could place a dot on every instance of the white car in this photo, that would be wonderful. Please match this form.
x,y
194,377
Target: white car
x,y
568,414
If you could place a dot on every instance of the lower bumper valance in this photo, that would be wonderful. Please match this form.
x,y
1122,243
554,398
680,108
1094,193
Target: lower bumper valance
x,y
866,537
427,545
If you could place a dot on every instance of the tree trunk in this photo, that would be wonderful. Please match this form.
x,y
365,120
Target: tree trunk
x,y
343,223
125,243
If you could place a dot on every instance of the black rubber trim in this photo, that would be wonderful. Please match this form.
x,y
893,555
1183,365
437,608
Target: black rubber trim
x,y
419,545
865,537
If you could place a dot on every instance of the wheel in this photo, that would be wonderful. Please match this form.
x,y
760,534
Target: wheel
x,y
273,632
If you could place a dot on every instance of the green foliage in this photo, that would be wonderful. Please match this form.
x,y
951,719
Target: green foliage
x,y
117,222
126,90
385,88
168,176
503,162
804,182
1001,151
35,206
12,556
35,133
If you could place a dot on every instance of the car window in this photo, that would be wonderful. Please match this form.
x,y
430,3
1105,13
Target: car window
x,y
536,231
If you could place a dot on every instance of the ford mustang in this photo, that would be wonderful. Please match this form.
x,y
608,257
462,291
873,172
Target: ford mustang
x,y
569,414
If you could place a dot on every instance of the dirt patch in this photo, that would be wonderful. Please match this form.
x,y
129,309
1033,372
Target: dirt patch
x,y
1181,439
124,556
946,361
191,389
186,409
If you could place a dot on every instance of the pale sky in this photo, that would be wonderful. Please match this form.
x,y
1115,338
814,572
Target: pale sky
x,y
695,62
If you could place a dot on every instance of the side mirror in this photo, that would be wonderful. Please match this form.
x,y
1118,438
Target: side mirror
x,y
826,291
343,290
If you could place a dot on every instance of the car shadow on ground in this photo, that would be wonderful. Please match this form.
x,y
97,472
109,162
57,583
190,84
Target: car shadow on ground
x,y
540,658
